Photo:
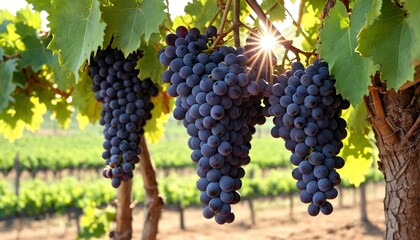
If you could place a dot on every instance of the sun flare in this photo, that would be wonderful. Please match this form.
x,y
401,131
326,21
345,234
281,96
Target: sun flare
x,y
268,42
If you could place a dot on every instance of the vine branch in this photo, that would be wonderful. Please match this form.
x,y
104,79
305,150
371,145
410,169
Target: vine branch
x,y
154,203
220,34
236,23
376,113
412,130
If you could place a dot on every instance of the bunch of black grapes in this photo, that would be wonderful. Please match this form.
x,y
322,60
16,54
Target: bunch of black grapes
x,y
307,112
126,102
215,93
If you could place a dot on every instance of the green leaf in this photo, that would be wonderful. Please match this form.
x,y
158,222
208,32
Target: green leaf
x,y
62,112
62,76
1,54
389,41
25,30
201,12
3,25
149,64
129,22
316,4
154,128
277,13
29,17
6,85
23,107
374,11
413,9
356,118
40,5
338,40
357,152
36,54
84,99
77,31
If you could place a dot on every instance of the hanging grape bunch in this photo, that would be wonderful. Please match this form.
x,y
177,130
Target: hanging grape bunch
x,y
213,90
126,106
307,112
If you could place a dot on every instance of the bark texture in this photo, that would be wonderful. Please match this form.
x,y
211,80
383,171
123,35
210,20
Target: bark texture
x,y
154,203
394,117
124,230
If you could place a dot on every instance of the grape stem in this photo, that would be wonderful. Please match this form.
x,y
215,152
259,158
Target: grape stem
x,y
220,33
288,44
236,23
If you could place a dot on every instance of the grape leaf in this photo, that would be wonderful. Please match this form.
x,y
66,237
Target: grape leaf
x,y
356,118
11,133
337,43
23,107
3,25
39,5
129,22
357,150
38,110
389,41
36,54
84,99
316,4
149,64
62,76
29,17
413,9
82,34
275,9
201,12
154,128
374,11
6,85
25,30
62,112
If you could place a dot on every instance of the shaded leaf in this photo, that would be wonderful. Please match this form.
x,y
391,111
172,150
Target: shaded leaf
x,y
6,84
149,64
36,54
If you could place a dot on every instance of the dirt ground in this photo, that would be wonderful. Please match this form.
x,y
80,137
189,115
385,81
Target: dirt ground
x,y
272,223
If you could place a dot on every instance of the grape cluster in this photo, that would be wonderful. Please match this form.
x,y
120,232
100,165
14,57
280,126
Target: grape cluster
x,y
126,106
215,100
307,112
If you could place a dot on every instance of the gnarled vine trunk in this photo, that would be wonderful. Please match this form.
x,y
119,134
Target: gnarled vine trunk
x,y
395,120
